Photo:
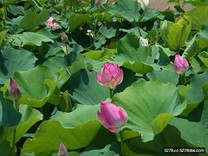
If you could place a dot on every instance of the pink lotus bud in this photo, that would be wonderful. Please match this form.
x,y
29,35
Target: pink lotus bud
x,y
112,117
111,75
50,23
64,37
14,90
97,2
62,150
180,64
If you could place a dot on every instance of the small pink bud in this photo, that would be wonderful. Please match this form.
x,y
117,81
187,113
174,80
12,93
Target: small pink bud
x,y
180,64
14,90
64,37
50,23
62,150
111,75
111,116
97,1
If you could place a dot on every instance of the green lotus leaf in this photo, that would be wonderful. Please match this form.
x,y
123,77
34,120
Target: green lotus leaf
x,y
75,129
195,122
31,38
193,93
204,57
77,19
198,16
150,106
190,132
12,62
85,89
111,150
192,48
169,138
164,74
36,85
5,148
134,56
51,133
73,119
108,31
30,116
32,19
129,10
2,36
202,36
100,54
175,34
10,117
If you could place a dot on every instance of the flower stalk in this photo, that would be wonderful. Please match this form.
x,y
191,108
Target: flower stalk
x,y
183,79
15,95
111,93
16,106
120,139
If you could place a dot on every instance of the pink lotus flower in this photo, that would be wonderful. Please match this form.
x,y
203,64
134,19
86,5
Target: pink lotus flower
x,y
111,75
50,23
180,64
112,117
62,150
14,90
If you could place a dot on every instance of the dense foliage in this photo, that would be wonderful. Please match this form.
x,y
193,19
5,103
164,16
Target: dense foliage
x,y
54,62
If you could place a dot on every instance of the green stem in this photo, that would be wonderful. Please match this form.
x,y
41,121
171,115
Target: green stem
x,y
120,139
183,79
72,5
14,141
111,93
16,106
67,50
65,8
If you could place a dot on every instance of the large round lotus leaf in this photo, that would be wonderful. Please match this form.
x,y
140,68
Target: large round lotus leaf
x,y
75,129
150,106
36,85
51,133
